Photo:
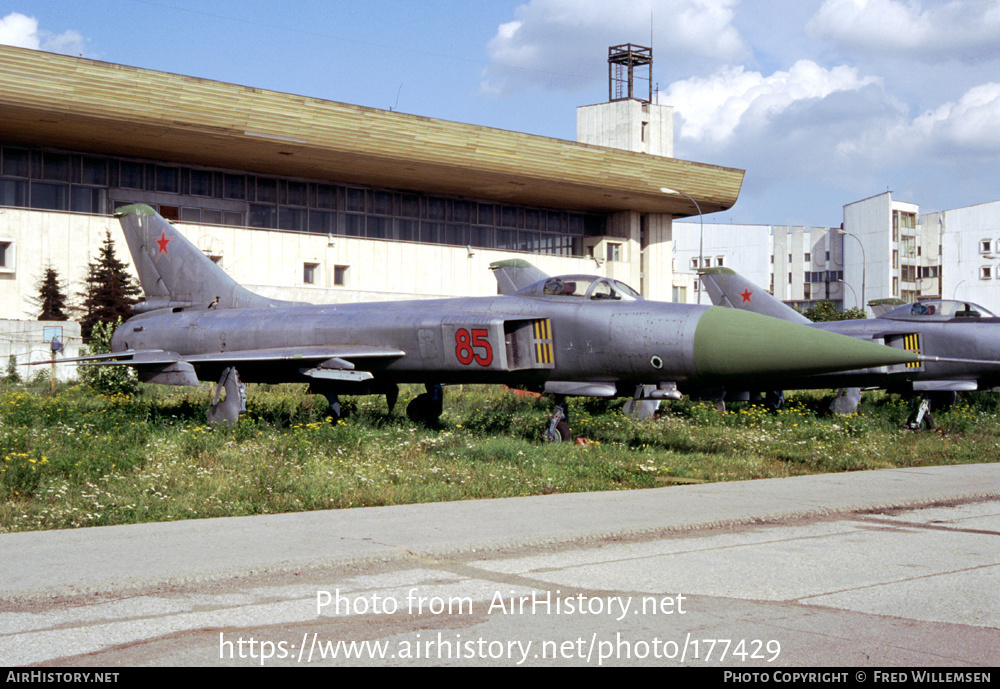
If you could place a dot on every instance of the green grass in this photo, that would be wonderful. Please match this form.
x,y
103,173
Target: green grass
x,y
78,458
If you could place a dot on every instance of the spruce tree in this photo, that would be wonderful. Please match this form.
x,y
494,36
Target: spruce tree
x,y
51,299
109,290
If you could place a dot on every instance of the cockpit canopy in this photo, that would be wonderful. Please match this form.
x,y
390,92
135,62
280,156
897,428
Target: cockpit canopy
x,y
938,310
580,287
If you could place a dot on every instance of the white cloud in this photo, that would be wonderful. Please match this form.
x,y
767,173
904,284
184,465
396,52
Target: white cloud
x,y
19,30
835,127
713,108
967,125
22,31
563,44
967,30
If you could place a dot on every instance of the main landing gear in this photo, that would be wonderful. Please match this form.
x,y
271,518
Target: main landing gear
x,y
230,399
921,417
558,430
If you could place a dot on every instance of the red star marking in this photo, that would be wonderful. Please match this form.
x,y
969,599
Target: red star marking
x,y
163,241
746,294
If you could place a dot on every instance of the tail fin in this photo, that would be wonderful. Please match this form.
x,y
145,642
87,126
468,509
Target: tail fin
x,y
726,287
515,274
173,272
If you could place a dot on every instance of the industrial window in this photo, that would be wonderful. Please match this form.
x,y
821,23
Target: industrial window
x,y
309,271
81,183
56,167
167,179
51,197
532,219
15,162
324,196
131,175
6,255
296,193
94,171
462,211
13,193
202,183
292,218
234,187
265,190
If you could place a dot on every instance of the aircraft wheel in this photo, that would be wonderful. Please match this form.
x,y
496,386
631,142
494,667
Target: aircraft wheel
x,y
426,407
419,409
559,434
558,430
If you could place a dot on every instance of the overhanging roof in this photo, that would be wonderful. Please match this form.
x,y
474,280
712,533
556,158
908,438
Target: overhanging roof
x,y
85,105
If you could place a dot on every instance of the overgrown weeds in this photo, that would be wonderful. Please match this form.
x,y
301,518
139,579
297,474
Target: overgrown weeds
x,y
80,458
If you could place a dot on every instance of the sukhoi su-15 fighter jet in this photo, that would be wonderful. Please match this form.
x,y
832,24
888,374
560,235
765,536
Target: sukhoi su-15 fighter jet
x,y
959,343
570,335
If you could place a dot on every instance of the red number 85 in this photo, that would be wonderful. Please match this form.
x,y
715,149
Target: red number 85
x,y
466,346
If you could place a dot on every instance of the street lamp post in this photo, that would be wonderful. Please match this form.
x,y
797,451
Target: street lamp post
x,y
864,264
701,236
844,283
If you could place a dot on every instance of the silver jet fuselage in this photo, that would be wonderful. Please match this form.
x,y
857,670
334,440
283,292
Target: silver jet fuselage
x,y
503,339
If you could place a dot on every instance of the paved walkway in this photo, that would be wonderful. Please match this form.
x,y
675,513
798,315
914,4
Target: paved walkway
x,y
897,567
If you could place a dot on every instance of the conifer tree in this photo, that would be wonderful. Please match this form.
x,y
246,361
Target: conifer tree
x,y
109,290
51,299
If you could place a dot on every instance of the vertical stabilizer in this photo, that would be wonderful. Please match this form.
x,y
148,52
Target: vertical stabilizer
x,y
726,287
515,274
173,272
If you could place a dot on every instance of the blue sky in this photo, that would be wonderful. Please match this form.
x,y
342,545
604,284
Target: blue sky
x,y
822,102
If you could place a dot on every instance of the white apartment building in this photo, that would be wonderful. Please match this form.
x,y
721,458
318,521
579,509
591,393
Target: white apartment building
x,y
885,249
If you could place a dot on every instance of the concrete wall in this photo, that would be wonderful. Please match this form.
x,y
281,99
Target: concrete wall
x,y
744,248
271,262
629,125
963,257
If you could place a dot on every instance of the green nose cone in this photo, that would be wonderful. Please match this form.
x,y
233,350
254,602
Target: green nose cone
x,y
733,343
